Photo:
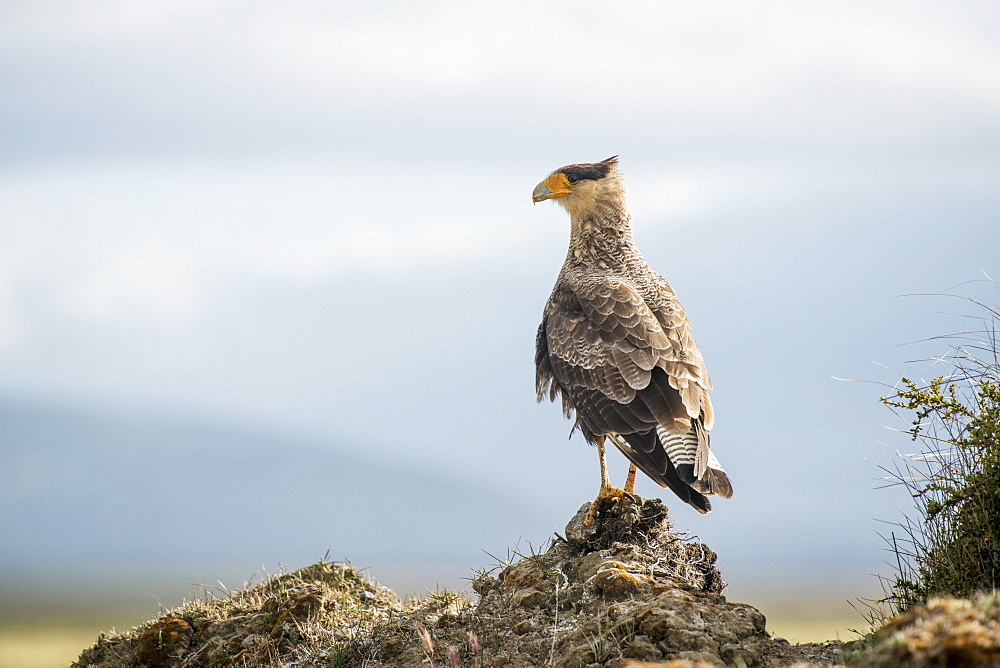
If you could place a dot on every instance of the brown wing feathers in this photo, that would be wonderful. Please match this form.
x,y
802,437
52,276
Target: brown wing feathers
x,y
608,354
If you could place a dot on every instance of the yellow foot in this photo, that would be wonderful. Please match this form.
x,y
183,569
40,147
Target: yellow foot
x,y
607,492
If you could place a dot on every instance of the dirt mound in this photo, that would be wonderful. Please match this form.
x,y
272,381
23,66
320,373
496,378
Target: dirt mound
x,y
625,591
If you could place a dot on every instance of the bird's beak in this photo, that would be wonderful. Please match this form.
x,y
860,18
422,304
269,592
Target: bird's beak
x,y
553,187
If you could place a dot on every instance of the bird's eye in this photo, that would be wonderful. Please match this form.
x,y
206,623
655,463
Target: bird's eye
x,y
572,178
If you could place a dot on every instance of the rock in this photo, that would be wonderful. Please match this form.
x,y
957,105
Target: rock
x,y
164,643
642,648
523,627
618,583
944,632
626,586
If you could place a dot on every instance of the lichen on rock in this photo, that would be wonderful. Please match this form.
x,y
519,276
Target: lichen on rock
x,y
944,632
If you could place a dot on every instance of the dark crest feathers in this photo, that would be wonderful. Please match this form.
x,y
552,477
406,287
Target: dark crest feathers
x,y
590,170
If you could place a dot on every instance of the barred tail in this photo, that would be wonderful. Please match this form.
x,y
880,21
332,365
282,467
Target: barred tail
x,y
696,464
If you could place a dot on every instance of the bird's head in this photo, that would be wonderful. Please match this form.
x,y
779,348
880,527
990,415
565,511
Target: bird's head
x,y
576,185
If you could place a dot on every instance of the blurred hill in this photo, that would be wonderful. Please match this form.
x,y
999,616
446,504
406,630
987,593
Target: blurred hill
x,y
145,492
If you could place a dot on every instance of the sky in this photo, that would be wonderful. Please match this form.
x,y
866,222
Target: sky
x,y
313,219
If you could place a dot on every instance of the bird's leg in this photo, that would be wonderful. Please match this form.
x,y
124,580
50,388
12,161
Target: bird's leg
x,y
607,491
630,481
604,463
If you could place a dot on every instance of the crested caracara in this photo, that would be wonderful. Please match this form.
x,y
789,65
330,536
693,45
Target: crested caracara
x,y
615,344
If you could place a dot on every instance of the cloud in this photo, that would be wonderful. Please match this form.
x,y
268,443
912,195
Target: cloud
x,y
156,244
891,71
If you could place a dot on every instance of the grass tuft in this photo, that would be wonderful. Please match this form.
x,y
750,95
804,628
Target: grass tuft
x,y
951,546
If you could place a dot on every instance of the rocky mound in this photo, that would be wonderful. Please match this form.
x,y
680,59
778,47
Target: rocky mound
x,y
945,632
625,591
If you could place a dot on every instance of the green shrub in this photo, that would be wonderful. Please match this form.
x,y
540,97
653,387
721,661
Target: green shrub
x,y
952,545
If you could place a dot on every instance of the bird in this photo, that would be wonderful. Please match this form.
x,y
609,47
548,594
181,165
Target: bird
x,y
616,346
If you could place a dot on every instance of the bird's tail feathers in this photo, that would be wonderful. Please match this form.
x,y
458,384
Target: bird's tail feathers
x,y
642,451
697,465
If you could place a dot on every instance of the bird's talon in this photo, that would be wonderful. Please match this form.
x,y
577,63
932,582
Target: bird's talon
x,y
613,494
